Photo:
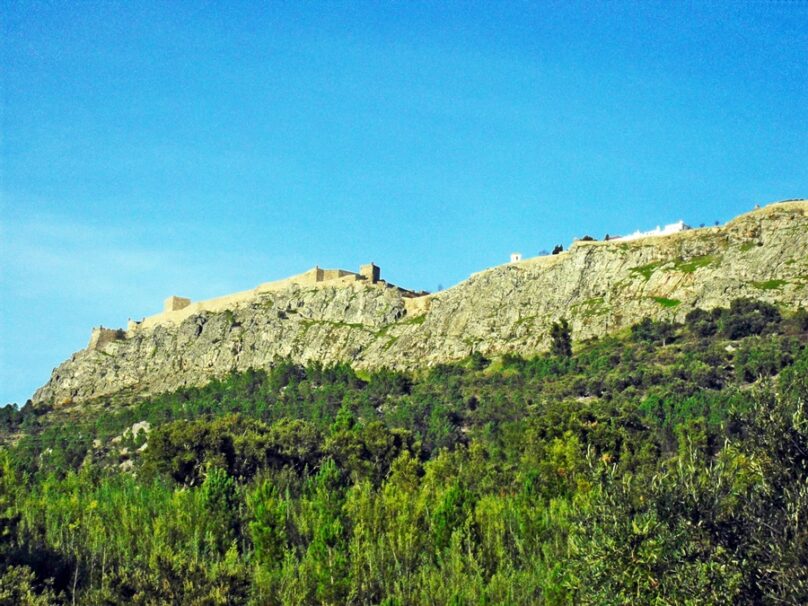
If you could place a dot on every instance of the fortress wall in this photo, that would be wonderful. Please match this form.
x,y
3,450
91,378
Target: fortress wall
x,y
215,305
101,336
347,279
370,272
416,306
314,277
279,284
310,277
334,274
177,309
175,303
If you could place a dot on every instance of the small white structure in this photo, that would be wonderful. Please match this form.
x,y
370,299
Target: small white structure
x,y
516,257
659,231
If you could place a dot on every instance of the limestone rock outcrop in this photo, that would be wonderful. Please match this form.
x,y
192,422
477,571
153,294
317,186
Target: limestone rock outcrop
x,y
599,287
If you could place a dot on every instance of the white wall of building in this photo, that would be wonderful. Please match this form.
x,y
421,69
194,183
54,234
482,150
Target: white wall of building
x,y
659,231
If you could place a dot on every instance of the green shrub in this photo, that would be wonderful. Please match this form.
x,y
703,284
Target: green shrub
x,y
703,323
653,331
748,317
769,284
664,302
561,336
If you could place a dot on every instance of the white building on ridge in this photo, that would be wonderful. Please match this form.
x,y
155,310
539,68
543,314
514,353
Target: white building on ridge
x,y
659,231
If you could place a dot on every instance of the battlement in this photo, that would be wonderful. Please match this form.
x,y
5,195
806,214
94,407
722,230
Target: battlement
x,y
100,336
370,272
174,303
176,309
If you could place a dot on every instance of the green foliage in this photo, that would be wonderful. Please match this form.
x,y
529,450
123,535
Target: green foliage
x,y
801,319
184,449
20,587
230,317
663,467
695,263
747,317
267,527
561,338
744,318
769,284
667,302
646,270
416,320
759,357
703,323
478,361
653,331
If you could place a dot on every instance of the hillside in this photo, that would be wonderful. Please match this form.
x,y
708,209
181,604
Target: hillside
x,y
666,465
600,287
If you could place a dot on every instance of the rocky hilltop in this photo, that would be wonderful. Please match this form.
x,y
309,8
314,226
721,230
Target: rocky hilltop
x,y
598,286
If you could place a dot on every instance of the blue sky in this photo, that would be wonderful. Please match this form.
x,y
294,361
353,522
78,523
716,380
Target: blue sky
x,y
151,149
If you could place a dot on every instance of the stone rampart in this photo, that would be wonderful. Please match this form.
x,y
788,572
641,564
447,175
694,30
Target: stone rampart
x,y
176,309
416,306
100,336
335,274
175,303
370,272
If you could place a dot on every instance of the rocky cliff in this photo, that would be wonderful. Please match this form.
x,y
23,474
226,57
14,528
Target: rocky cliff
x,y
598,286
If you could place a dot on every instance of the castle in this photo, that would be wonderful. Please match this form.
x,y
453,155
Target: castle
x,y
176,309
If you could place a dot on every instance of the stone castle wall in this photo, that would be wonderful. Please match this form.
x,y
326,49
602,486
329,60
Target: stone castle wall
x,y
335,274
416,306
100,336
176,303
370,272
176,309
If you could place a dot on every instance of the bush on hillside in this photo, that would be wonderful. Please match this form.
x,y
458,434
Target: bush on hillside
x,y
703,323
747,317
561,336
653,331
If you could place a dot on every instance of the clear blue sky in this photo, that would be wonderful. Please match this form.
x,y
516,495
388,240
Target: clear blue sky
x,y
196,148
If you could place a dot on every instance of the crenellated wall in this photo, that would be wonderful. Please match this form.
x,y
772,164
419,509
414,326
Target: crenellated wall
x,y
100,336
176,309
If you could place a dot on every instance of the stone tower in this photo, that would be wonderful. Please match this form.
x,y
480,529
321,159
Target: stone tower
x,y
175,303
370,272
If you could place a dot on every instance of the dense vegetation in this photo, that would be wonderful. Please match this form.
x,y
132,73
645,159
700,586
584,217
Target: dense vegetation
x,y
667,465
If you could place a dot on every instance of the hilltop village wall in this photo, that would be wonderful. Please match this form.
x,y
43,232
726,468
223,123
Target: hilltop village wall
x,y
176,309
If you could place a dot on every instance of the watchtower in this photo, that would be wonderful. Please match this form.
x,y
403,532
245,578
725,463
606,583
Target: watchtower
x,y
100,336
370,272
175,303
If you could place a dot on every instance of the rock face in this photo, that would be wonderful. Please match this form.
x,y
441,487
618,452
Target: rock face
x,y
598,286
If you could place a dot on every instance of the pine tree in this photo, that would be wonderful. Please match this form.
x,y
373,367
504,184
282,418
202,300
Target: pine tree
x,y
561,335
